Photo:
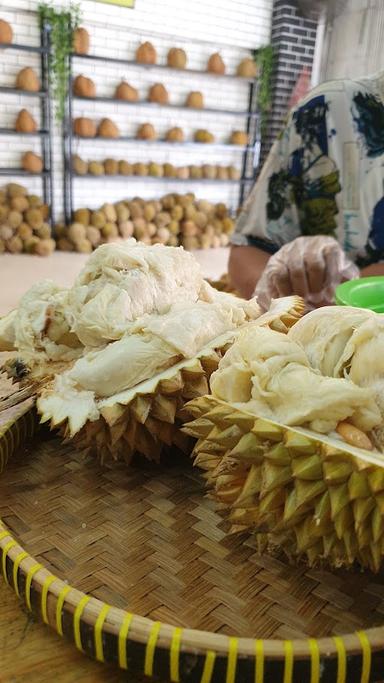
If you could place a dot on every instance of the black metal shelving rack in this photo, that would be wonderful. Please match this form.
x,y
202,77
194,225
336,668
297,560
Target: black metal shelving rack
x,y
249,153
45,132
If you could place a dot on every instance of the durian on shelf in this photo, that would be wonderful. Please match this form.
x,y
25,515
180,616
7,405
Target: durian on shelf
x,y
23,222
173,220
291,438
113,359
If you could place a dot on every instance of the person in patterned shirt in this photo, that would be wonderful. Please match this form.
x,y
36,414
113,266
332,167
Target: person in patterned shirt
x,y
324,176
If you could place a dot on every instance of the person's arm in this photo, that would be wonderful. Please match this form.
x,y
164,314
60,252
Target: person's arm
x,y
373,269
245,267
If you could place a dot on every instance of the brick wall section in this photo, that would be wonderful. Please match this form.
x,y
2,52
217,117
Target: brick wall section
x,y
201,28
293,38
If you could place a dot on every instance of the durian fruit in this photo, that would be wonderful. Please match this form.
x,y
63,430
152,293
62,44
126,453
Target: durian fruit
x,y
65,245
316,489
82,216
195,172
45,247
146,131
125,168
25,123
15,218
182,172
16,190
215,64
128,372
4,211
81,41
108,129
233,173
222,173
6,232
96,168
6,32
202,135
76,232
158,93
247,68
84,127
79,166
19,204
125,91
32,162
146,53
175,134
98,219
109,212
111,166
2,246
195,99
93,236
238,137
155,170
109,230
177,58
209,171
170,170
14,245
34,201
27,79
161,236
140,169
126,229
122,212
84,87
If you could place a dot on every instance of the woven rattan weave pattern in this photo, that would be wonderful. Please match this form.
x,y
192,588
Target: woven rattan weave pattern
x,y
147,540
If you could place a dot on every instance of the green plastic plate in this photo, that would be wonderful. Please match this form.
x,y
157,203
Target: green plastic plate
x,y
368,292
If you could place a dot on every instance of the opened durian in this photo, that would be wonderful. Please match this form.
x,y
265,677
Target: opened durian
x,y
292,437
114,358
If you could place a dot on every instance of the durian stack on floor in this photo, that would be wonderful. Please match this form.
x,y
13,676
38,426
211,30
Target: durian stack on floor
x,y
173,220
291,439
23,222
114,358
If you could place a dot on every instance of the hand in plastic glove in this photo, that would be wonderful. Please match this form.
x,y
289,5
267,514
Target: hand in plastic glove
x,y
311,267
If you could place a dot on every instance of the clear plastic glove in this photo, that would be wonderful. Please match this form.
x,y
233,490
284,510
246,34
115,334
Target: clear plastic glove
x,y
311,267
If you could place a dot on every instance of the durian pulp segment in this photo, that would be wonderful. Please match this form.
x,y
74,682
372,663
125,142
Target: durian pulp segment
x,y
311,494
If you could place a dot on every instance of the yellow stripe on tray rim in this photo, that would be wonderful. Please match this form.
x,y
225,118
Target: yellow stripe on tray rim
x,y
367,656
341,660
315,660
99,650
28,583
8,546
76,621
175,655
151,647
123,637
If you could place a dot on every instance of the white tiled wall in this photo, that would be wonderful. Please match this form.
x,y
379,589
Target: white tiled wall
x,y
354,40
232,27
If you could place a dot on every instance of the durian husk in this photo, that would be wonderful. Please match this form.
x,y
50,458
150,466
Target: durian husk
x,y
127,92
175,134
238,137
32,162
81,41
158,93
27,79
25,123
84,87
6,32
247,68
146,53
318,498
84,127
79,166
177,58
195,99
146,131
215,64
108,129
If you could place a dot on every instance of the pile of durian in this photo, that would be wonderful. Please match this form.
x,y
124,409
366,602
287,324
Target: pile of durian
x,y
113,360
126,168
173,220
291,437
23,222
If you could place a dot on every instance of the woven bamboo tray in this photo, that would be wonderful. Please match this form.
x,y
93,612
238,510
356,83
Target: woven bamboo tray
x,y
81,544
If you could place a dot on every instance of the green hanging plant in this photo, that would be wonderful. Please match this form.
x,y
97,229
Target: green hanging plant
x,y
265,60
62,25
